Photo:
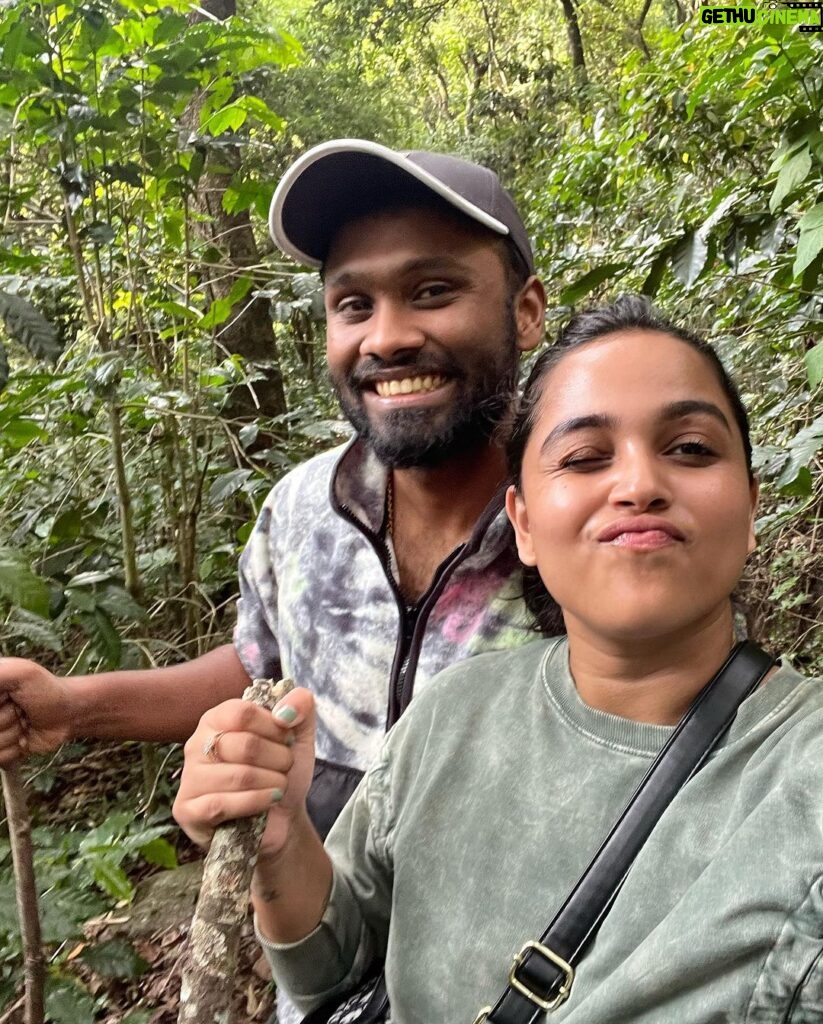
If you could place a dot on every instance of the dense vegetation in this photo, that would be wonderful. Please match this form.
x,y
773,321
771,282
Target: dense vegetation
x,y
162,366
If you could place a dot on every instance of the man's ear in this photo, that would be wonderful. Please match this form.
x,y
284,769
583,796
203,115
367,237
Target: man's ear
x,y
519,518
754,491
530,314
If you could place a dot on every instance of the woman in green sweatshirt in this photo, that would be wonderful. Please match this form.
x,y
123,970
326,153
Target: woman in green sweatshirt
x,y
634,501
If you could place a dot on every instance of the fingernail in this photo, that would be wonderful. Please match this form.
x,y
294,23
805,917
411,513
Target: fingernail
x,y
276,796
290,739
286,713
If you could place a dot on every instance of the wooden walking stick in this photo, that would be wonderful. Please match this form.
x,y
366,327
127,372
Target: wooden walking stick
x,y
223,904
34,971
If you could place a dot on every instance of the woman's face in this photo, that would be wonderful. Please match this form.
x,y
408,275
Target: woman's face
x,y
636,504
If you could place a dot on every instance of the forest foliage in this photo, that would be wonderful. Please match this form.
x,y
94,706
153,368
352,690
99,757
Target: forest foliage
x,y
161,366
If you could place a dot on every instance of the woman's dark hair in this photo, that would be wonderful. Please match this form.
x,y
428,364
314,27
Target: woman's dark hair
x,y
627,312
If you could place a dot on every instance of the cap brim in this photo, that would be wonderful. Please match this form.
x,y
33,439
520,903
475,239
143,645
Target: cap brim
x,y
337,180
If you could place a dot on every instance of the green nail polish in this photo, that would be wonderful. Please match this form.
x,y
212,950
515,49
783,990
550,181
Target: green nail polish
x,y
276,796
290,739
286,713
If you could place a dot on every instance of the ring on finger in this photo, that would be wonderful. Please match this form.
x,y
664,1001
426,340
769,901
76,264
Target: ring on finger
x,y
210,749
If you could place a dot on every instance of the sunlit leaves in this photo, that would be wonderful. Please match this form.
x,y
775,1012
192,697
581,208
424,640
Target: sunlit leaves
x,y
793,172
810,243
814,365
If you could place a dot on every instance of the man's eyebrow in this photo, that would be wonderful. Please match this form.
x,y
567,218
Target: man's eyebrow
x,y
672,411
424,264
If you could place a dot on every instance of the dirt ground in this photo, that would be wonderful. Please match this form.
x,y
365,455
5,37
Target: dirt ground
x,y
92,780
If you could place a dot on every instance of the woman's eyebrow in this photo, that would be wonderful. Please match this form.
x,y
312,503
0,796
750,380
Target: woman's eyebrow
x,y
672,411
570,426
690,406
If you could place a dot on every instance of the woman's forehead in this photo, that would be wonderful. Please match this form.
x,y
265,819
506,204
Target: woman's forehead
x,y
629,372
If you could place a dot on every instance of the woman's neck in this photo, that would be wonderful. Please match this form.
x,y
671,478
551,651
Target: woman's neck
x,y
652,679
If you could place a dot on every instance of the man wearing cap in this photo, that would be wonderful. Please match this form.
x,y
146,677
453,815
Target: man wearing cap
x,y
373,567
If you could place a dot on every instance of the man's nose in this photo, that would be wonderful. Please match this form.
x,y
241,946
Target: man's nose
x,y
391,329
640,480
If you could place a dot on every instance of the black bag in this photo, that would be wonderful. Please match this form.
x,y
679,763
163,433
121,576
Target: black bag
x,y
368,1004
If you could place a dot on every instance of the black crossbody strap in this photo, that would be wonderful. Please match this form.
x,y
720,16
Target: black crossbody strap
x,y
543,971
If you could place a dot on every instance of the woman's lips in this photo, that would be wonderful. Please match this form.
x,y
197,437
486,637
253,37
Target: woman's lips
x,y
641,533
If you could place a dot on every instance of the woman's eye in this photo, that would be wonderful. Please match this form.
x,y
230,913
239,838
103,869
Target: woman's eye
x,y
584,461
693,449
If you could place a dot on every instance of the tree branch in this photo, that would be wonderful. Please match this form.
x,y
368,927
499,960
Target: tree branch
x,y
214,936
14,795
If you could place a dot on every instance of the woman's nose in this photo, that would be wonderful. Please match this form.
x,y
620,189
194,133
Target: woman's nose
x,y
640,481
390,330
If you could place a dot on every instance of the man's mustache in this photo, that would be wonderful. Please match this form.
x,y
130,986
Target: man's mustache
x,y
372,369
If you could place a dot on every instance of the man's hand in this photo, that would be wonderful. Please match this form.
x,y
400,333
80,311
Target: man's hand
x,y
34,710
244,760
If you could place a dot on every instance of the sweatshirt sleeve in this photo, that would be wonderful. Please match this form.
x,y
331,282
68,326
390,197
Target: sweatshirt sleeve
x,y
354,928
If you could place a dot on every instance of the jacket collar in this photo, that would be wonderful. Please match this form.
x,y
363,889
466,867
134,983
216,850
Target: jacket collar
x,y
359,483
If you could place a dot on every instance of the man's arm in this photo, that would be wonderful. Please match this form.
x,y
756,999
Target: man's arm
x,y
39,711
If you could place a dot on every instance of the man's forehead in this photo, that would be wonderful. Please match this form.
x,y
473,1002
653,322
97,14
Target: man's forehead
x,y
407,235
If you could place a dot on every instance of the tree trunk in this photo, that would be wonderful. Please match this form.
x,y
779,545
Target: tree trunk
x,y
575,41
249,331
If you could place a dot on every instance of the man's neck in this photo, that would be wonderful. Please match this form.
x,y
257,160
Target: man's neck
x,y
435,509
651,680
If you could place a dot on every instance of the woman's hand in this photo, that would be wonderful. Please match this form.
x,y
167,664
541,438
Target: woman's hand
x,y
244,760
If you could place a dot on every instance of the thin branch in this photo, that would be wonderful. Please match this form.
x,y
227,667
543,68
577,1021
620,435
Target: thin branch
x,y
19,822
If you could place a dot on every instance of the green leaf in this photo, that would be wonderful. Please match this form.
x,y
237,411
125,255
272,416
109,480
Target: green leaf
x,y
220,310
574,292
812,219
112,879
802,449
255,106
655,274
809,245
115,959
68,1003
801,486
29,327
108,636
36,631
229,118
689,258
17,433
159,852
792,174
20,586
227,484
814,365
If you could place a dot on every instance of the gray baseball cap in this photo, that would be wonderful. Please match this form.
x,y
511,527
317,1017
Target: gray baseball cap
x,y
347,178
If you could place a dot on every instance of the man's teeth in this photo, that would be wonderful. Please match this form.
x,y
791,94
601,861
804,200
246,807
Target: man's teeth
x,y
408,385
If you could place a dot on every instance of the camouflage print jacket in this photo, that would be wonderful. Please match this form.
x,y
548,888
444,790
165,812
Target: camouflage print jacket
x,y
319,602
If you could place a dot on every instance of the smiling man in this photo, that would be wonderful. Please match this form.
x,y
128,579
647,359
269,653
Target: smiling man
x,y
373,567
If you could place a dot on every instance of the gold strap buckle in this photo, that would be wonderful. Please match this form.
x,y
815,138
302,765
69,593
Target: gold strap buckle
x,y
563,992
482,1016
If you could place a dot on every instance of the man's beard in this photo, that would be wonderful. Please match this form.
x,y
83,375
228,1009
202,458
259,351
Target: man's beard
x,y
426,438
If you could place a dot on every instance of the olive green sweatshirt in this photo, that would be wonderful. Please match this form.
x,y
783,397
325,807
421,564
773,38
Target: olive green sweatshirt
x,y
488,801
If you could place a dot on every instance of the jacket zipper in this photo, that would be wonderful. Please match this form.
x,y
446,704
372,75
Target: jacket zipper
x,y
412,620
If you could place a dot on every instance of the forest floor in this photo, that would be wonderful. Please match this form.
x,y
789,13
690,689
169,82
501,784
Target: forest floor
x,y
151,928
